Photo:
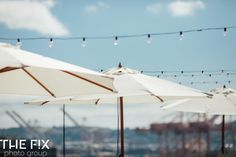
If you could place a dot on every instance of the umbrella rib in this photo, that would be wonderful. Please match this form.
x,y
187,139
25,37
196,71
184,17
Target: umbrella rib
x,y
85,79
159,98
35,79
43,103
7,69
97,101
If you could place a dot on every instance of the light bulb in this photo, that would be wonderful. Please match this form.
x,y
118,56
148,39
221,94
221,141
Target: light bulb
x,y
181,35
225,31
51,42
18,43
83,42
116,42
149,39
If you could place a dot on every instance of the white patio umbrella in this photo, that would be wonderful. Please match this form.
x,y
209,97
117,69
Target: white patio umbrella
x,y
132,88
26,73
222,102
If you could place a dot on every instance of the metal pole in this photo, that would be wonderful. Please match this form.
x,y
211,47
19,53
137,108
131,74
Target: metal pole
x,y
208,139
199,141
183,140
122,127
63,136
223,135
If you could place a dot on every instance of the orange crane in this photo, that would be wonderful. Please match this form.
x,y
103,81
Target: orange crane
x,y
158,128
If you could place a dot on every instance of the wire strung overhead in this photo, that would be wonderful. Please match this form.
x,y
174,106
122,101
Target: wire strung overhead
x,y
220,76
198,75
207,82
117,37
191,73
187,73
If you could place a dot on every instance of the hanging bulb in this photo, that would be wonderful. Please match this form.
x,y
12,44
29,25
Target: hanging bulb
x,y
225,31
83,42
149,39
51,42
181,35
116,42
18,43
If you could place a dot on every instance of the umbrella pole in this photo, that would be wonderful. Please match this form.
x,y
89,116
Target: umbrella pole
x,y
122,127
63,136
223,135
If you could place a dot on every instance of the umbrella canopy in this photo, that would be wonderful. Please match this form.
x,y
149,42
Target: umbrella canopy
x,y
222,102
135,87
132,87
26,73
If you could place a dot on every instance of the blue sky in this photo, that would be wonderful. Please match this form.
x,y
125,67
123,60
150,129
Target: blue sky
x,y
197,51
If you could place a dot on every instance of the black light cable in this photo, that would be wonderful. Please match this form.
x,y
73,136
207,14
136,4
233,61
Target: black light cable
x,y
148,35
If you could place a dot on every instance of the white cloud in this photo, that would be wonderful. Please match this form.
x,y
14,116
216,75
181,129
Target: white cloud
x,y
99,6
185,8
154,8
32,15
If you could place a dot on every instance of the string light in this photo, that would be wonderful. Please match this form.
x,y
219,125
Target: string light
x,y
18,43
83,42
200,73
181,35
50,44
225,31
204,72
116,42
209,75
222,79
148,35
208,82
149,39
